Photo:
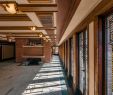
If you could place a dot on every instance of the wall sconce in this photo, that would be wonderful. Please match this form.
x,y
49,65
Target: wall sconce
x,y
11,8
33,28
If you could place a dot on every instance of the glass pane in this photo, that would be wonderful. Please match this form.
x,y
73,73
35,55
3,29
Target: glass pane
x,y
108,53
83,62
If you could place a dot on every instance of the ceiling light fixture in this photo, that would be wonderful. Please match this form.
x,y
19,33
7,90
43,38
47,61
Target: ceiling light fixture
x,y
47,37
40,35
11,8
33,28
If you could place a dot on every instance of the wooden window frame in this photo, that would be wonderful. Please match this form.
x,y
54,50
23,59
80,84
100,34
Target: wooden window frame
x,y
77,56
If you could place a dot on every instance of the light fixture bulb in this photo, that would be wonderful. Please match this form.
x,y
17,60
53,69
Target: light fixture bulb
x,y
40,35
10,40
33,28
47,37
11,8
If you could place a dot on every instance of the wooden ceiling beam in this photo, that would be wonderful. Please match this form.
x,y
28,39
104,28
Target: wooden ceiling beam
x,y
25,28
34,7
37,7
15,17
24,33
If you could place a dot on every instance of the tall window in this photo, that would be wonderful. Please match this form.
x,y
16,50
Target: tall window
x,y
108,27
83,61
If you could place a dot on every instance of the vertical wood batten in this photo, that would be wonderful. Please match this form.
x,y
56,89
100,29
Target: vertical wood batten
x,y
91,58
96,29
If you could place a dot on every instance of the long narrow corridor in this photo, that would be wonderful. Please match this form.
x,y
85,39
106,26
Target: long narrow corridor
x,y
50,80
56,47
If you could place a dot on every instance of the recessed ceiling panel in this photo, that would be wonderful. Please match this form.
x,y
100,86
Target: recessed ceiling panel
x,y
46,20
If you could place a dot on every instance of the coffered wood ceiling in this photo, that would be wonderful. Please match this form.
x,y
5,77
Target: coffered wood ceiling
x,y
18,25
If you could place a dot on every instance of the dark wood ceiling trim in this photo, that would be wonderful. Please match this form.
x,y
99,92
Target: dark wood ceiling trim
x,y
5,2
40,1
15,17
25,28
37,7
25,33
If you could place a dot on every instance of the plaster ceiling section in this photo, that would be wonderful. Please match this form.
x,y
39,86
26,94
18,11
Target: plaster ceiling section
x,y
83,10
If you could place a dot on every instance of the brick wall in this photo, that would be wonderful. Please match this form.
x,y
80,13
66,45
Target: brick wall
x,y
47,51
20,50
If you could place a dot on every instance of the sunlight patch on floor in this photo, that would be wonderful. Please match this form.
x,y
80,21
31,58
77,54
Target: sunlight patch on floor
x,y
49,81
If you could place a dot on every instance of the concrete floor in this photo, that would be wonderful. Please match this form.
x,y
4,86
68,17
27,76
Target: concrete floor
x,y
46,79
14,79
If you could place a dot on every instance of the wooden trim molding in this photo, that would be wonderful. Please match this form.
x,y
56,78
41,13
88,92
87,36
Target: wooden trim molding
x,y
25,28
96,51
37,7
